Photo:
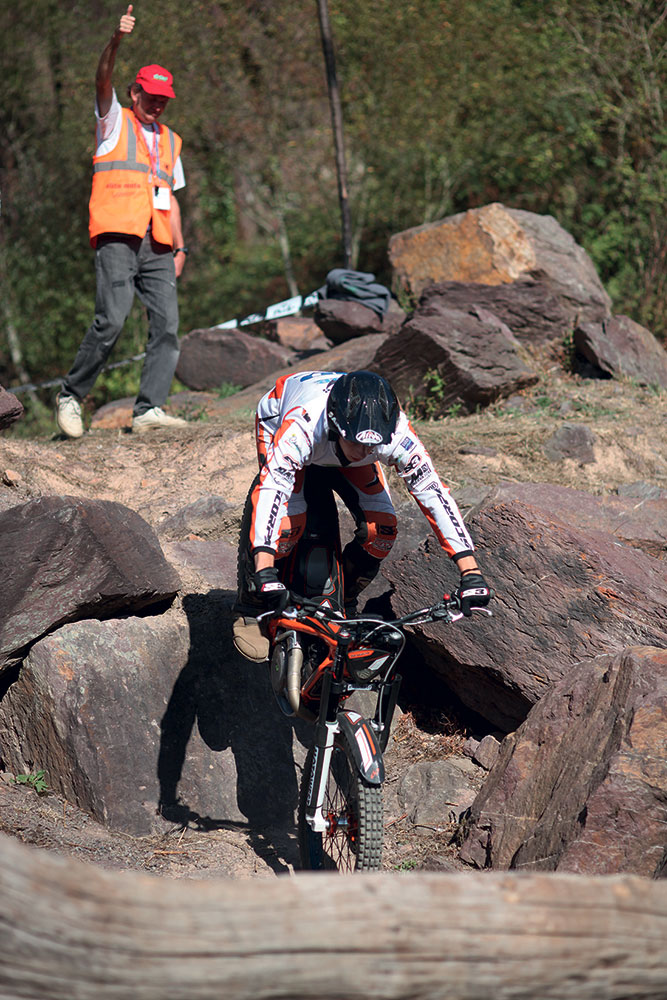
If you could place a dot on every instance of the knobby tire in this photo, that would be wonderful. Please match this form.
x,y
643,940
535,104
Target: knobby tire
x,y
355,844
243,566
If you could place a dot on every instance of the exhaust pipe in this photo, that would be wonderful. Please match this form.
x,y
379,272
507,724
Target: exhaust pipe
x,y
294,664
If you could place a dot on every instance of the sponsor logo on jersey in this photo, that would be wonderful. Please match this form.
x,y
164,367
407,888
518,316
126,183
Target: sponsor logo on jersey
x,y
284,477
296,442
407,444
423,472
368,437
325,379
412,464
273,514
458,527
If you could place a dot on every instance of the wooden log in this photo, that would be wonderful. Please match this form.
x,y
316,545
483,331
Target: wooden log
x,y
70,930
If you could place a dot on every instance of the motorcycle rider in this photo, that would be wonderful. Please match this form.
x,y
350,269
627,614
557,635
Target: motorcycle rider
x,y
352,422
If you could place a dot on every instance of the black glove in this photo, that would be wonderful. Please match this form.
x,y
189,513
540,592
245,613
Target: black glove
x,y
273,593
473,592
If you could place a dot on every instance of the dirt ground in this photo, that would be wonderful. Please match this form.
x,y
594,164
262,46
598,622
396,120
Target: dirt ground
x,y
158,474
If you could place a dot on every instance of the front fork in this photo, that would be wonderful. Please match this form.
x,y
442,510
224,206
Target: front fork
x,y
325,735
361,736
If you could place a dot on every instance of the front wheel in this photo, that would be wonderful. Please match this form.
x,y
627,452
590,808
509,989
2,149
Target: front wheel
x,y
353,810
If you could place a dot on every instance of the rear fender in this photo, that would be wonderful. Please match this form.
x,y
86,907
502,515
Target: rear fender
x,y
364,744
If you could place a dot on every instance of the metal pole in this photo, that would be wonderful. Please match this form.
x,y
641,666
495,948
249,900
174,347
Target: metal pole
x,y
337,123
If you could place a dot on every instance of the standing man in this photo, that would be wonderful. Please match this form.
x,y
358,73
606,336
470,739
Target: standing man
x,y
135,228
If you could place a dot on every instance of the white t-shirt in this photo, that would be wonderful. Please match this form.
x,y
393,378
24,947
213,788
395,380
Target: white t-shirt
x,y
108,133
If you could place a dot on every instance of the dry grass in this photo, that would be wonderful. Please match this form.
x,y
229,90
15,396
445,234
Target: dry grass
x,y
427,738
629,423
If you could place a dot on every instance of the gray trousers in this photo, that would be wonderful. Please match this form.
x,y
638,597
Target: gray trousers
x,y
125,265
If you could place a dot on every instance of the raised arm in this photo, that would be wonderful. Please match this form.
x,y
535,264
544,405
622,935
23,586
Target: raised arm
x,y
107,59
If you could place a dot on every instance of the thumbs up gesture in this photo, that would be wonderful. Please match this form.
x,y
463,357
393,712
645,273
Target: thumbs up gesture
x,y
126,25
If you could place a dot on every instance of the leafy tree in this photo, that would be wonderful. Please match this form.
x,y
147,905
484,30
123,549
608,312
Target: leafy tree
x,y
448,104
622,46
555,108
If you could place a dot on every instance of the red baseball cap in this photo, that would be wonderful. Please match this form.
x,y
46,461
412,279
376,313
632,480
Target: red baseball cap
x,y
156,80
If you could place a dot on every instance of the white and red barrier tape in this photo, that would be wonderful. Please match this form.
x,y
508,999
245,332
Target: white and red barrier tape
x,y
288,307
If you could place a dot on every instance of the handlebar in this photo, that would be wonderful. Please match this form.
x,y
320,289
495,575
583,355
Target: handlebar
x,y
448,610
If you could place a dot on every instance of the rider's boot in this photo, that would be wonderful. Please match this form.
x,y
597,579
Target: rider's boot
x,y
359,569
249,639
247,634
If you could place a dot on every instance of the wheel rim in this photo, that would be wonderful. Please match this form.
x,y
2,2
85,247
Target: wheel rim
x,y
352,810
340,840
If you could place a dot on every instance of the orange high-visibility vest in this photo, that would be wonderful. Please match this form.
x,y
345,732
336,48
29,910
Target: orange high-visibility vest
x,y
121,200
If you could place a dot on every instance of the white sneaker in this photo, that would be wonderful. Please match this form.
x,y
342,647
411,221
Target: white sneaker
x,y
68,416
155,418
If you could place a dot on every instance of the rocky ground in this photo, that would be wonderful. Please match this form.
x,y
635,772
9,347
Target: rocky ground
x,y
46,820
158,474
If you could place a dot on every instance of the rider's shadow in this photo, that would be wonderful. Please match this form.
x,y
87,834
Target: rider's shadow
x,y
231,702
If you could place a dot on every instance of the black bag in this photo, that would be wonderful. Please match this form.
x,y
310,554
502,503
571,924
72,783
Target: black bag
x,y
356,286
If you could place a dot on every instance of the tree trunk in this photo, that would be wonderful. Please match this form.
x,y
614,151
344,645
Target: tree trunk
x,y
72,930
337,126
14,344
286,251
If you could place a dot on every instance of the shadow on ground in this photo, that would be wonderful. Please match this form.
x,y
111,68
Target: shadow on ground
x,y
228,702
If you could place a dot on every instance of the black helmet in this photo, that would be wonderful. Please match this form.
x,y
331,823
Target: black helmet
x,y
363,407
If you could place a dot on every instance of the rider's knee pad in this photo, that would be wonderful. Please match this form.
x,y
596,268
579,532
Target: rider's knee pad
x,y
377,534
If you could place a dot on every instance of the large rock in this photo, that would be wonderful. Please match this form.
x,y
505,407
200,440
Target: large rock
x,y
581,786
434,793
65,558
642,525
298,333
210,516
641,490
494,245
213,357
11,408
443,358
342,320
530,307
203,564
349,356
144,722
620,347
563,593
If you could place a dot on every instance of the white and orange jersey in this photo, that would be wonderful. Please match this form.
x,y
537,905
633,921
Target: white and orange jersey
x,y
293,432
